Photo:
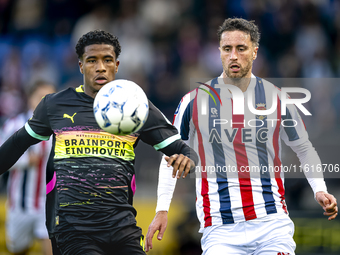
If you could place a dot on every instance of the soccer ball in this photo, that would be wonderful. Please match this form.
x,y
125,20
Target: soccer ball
x,y
121,107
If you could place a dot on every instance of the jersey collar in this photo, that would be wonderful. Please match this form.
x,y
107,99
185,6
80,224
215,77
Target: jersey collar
x,y
252,83
80,88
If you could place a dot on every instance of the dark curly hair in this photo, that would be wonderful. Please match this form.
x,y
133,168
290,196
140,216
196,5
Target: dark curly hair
x,y
97,37
243,25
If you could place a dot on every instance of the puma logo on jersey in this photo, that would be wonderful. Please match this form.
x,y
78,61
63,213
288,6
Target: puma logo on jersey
x,y
69,117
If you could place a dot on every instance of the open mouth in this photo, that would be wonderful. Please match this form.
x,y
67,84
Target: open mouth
x,y
101,80
235,67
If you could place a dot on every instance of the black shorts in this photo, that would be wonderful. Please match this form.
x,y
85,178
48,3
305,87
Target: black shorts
x,y
122,241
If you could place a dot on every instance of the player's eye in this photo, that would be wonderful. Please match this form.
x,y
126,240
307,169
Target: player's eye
x,y
108,60
91,61
227,49
241,49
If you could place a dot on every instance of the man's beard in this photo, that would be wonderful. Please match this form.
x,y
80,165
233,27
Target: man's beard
x,y
237,76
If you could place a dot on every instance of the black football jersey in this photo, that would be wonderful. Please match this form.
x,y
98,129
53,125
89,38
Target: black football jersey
x,y
90,171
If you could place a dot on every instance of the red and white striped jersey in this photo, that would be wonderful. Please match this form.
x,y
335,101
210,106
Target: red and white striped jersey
x,y
26,188
239,175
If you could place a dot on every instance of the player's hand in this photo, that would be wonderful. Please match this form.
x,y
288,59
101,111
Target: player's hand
x,y
328,203
181,164
158,223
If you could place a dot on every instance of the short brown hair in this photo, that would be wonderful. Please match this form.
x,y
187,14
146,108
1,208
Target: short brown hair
x,y
37,85
243,25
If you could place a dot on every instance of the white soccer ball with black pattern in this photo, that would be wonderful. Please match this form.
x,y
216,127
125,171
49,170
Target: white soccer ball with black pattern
x,y
121,107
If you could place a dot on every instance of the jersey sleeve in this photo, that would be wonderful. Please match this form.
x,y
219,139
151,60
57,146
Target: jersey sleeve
x,y
309,158
38,126
8,129
35,130
182,117
157,130
293,131
166,183
14,147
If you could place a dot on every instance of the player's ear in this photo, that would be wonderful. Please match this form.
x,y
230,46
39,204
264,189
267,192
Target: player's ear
x,y
117,64
255,52
81,67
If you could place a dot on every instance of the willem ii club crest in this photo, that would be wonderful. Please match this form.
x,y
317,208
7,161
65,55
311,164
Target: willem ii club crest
x,y
261,107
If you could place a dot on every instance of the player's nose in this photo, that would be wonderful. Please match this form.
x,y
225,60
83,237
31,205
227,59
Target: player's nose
x,y
100,66
233,54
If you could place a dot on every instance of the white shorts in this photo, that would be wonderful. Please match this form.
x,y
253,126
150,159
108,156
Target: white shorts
x,y
269,236
23,228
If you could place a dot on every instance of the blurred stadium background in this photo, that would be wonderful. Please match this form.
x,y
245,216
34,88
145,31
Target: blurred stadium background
x,y
164,44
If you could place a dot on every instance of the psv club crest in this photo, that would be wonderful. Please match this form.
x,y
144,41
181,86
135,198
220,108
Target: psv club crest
x,y
261,107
